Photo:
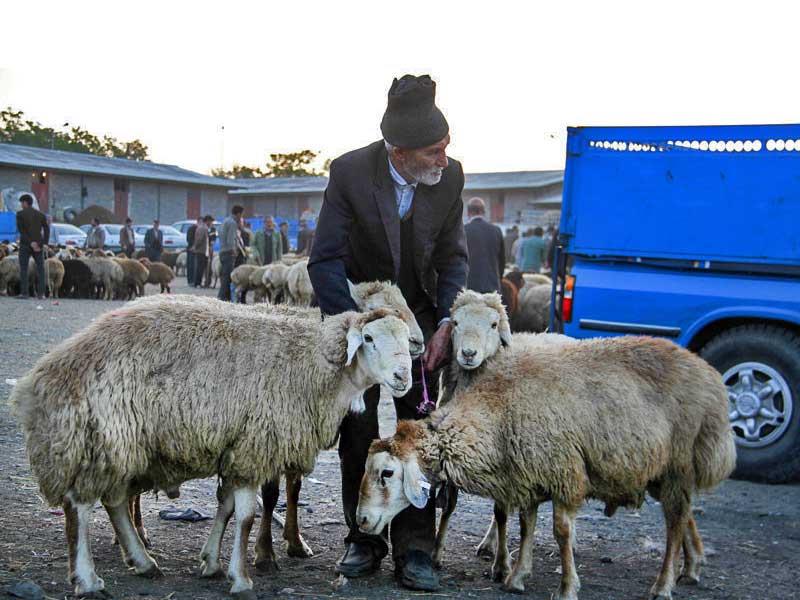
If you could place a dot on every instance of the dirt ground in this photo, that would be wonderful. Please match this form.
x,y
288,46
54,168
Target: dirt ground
x,y
752,532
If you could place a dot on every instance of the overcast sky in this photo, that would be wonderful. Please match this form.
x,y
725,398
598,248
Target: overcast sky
x,y
285,76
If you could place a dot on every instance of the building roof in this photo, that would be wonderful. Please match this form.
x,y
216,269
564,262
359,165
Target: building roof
x,y
474,181
76,162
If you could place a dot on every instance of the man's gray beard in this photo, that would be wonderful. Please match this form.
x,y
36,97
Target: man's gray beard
x,y
431,177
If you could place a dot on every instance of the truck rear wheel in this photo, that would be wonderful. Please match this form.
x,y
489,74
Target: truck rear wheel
x,y
760,366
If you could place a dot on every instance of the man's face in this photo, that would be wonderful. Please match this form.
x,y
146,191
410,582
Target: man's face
x,y
425,165
269,224
155,225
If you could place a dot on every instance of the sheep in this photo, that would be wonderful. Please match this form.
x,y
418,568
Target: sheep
x,y
9,274
257,285
536,279
78,281
170,259
158,274
216,270
134,276
276,283
368,296
180,264
274,401
299,284
54,270
106,274
608,418
240,278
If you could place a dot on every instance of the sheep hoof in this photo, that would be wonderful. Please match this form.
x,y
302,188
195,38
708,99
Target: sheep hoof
x,y
515,587
245,595
438,563
687,579
267,566
208,572
153,572
499,573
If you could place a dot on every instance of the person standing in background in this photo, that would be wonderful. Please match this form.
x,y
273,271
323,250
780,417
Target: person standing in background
x,y
201,249
511,236
268,243
96,239
230,244
190,233
284,229
154,242
487,254
533,252
127,238
34,232
305,238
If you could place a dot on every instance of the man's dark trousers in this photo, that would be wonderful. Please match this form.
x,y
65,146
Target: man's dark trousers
x,y
413,528
25,253
226,262
199,264
190,260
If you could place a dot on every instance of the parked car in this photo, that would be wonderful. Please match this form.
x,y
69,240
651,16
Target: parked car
x,y
173,239
112,236
690,233
64,234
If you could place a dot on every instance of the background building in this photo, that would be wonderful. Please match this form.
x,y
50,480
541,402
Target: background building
x,y
139,189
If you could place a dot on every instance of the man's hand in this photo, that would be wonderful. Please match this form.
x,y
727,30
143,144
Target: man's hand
x,y
438,347
35,246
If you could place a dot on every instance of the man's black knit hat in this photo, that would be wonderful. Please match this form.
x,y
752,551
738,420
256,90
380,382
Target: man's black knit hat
x,y
412,120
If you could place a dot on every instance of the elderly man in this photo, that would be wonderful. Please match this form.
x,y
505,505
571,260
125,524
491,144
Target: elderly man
x,y
487,256
392,211
268,243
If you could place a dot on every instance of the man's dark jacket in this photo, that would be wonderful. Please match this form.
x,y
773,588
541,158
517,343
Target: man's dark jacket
x,y
358,232
487,255
190,237
154,244
32,226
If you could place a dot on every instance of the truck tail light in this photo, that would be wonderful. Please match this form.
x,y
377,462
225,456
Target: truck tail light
x,y
566,303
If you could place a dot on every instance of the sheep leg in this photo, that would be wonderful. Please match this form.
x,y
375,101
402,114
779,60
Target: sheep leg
x,y
488,545
444,522
563,531
265,555
129,540
515,582
693,554
136,515
81,564
676,508
244,502
502,561
209,555
295,544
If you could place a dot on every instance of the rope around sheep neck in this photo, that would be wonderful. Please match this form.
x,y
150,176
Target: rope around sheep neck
x,y
426,406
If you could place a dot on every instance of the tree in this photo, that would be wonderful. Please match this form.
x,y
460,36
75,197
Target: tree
x,y
16,129
290,164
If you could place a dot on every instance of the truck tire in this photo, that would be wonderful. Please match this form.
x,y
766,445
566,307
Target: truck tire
x,y
760,365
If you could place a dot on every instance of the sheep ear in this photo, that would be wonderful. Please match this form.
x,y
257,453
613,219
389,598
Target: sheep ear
x,y
353,294
505,333
354,341
415,486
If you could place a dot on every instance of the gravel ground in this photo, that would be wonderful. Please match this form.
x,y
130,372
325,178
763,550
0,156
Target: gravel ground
x,y
752,532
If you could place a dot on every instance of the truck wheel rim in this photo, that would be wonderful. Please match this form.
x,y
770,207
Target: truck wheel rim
x,y
759,404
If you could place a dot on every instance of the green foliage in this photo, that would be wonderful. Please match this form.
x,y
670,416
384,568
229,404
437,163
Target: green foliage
x,y
16,129
290,164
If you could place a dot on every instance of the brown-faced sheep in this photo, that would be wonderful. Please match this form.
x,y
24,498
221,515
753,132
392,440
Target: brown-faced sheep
x,y
158,274
134,276
291,389
54,269
299,284
608,418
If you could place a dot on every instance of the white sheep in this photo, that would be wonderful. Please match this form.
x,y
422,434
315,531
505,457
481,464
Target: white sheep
x,y
106,274
608,418
275,281
216,389
299,283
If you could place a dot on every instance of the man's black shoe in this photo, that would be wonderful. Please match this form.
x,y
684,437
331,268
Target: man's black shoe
x,y
358,560
415,572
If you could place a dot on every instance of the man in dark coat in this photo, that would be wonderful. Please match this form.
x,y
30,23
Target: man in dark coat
x,y
34,233
487,256
392,211
190,257
154,242
305,239
284,229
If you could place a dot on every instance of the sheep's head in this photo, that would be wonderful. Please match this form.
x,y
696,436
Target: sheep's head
x,y
382,294
377,350
392,479
480,328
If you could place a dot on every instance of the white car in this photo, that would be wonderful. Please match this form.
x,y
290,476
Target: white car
x,y
112,236
173,239
64,234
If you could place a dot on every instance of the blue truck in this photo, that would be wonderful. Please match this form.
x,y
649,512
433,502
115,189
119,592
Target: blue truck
x,y
693,234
